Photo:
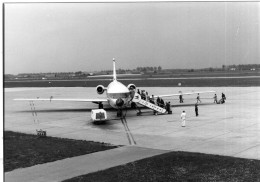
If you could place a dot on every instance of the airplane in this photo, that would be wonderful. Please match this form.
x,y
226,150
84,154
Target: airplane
x,y
119,96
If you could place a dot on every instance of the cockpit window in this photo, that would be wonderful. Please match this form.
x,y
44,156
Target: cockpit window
x,y
118,95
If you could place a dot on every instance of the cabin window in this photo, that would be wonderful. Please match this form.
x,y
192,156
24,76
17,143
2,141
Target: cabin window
x,y
118,95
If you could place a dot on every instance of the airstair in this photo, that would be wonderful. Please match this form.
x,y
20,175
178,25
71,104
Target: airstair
x,y
137,99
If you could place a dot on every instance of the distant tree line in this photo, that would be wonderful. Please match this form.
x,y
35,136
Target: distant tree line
x,y
145,70
150,69
242,66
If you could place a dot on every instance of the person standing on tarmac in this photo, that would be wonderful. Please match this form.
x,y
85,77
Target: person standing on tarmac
x,y
181,99
198,98
168,107
223,97
196,110
147,96
183,118
158,101
215,98
152,100
162,103
143,96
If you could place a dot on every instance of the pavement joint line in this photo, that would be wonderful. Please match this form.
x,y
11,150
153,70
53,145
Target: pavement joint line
x,y
246,149
71,132
191,127
230,131
245,127
75,130
208,139
42,122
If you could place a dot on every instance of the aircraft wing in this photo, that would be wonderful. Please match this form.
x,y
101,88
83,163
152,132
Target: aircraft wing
x,y
187,93
60,99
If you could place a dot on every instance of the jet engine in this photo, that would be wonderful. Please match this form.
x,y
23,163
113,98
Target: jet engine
x,y
100,89
131,86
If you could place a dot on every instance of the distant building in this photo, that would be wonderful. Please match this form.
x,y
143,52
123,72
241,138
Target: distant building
x,y
23,75
135,72
9,77
50,75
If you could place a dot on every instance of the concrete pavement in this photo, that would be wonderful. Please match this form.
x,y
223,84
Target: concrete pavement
x,y
231,129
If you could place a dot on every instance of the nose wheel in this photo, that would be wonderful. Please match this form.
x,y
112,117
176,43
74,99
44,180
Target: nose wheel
x,y
119,113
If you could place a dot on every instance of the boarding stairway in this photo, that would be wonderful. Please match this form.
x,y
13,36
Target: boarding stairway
x,y
137,99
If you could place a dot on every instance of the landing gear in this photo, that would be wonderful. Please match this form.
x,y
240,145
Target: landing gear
x,y
139,113
155,113
119,113
100,105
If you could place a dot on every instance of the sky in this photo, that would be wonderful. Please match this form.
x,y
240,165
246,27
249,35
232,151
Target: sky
x,y
70,37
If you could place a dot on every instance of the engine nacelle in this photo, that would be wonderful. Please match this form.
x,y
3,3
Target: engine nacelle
x,y
131,86
100,89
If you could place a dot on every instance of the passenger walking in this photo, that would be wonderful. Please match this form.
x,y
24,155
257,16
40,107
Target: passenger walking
x,y
147,96
215,98
183,118
181,99
168,108
152,100
132,93
196,110
158,101
198,98
223,97
162,103
143,95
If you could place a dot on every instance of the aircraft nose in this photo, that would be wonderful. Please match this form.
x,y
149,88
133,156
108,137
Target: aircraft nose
x,y
119,102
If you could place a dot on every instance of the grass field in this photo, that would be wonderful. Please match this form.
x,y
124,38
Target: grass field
x,y
23,150
198,82
180,166
187,79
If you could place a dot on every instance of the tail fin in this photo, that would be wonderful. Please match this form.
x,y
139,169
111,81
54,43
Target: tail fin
x,y
114,69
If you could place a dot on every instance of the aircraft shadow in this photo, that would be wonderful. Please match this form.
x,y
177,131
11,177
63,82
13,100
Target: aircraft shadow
x,y
107,125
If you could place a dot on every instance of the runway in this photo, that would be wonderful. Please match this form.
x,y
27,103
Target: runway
x,y
231,129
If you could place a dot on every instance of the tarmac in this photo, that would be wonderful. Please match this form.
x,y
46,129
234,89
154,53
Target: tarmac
x,y
230,129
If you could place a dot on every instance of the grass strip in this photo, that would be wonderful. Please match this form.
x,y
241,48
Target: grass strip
x,y
180,166
25,150
196,82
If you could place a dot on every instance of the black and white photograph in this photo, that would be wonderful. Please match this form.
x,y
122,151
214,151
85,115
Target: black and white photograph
x,y
129,91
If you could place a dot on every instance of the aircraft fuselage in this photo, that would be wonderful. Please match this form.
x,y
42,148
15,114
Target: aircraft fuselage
x,y
118,95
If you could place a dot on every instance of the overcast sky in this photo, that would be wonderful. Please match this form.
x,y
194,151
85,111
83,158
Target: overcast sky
x,y
62,37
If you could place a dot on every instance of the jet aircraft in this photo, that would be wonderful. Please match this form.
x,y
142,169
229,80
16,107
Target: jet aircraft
x,y
119,96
